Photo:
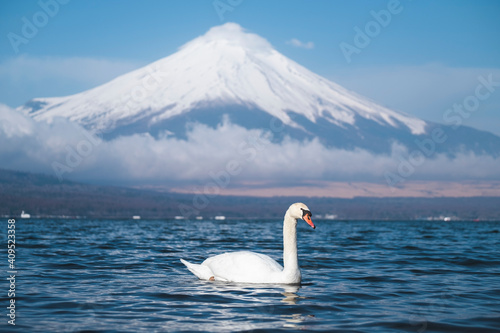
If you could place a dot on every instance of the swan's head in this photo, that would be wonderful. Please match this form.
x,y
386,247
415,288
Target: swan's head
x,y
300,211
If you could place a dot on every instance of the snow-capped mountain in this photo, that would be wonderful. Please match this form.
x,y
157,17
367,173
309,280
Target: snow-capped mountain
x,y
229,71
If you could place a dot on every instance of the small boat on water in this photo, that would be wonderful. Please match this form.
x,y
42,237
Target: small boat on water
x,y
220,217
25,215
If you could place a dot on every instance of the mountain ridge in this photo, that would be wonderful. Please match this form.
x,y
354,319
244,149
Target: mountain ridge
x,y
228,71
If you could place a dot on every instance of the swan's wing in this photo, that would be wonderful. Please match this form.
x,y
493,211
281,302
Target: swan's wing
x,y
243,266
201,271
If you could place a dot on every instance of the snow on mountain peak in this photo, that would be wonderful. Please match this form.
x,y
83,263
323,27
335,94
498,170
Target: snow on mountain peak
x,y
233,33
225,66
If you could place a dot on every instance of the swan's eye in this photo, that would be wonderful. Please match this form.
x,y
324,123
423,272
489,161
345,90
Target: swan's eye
x,y
306,212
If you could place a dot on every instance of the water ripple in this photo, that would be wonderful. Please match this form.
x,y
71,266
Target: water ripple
x,y
125,276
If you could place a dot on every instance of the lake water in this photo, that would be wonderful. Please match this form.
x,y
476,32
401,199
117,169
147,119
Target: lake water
x,y
367,276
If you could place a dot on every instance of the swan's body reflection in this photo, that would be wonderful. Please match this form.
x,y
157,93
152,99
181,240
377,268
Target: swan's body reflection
x,y
292,298
270,302
290,293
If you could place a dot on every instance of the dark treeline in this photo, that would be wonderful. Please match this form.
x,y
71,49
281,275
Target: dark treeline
x,y
45,196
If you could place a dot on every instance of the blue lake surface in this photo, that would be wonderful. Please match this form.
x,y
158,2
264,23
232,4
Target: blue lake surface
x,y
364,276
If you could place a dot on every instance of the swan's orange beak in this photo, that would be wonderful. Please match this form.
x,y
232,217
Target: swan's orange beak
x,y
307,218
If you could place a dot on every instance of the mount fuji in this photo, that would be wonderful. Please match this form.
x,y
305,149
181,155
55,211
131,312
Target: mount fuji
x,y
229,74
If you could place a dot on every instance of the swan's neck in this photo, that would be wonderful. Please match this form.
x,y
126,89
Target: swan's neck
x,y
290,260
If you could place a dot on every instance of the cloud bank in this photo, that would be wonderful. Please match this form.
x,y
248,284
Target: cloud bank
x,y
226,154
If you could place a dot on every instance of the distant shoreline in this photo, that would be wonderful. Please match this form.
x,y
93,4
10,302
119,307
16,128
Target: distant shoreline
x,y
44,196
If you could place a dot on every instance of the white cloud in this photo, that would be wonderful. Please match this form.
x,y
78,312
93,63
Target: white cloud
x,y
227,151
297,43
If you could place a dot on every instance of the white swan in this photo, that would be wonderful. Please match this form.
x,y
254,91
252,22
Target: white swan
x,y
251,267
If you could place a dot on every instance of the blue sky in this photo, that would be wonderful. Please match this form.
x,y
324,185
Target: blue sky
x,y
426,57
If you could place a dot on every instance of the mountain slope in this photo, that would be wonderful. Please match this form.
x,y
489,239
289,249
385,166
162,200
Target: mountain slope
x,y
228,71
224,66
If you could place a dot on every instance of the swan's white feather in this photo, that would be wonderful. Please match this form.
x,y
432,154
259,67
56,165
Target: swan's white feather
x,y
243,266
201,272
